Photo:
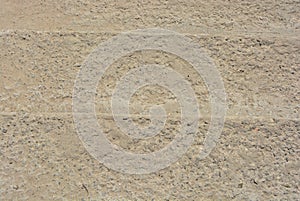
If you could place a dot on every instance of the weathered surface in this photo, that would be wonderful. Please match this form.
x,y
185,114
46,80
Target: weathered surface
x,y
255,46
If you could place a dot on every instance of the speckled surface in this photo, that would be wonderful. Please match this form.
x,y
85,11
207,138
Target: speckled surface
x,y
256,48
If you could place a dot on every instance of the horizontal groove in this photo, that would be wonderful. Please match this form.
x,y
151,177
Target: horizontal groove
x,y
228,117
294,34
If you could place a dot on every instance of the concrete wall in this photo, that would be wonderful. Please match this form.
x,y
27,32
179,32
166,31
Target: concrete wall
x,y
255,46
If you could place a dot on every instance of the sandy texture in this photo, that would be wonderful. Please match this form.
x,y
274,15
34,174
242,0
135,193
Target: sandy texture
x,y
256,48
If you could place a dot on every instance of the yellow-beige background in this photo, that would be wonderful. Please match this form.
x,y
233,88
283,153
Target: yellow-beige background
x,y
255,46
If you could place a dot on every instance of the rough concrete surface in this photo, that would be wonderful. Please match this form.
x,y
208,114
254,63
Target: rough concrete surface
x,y
255,46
